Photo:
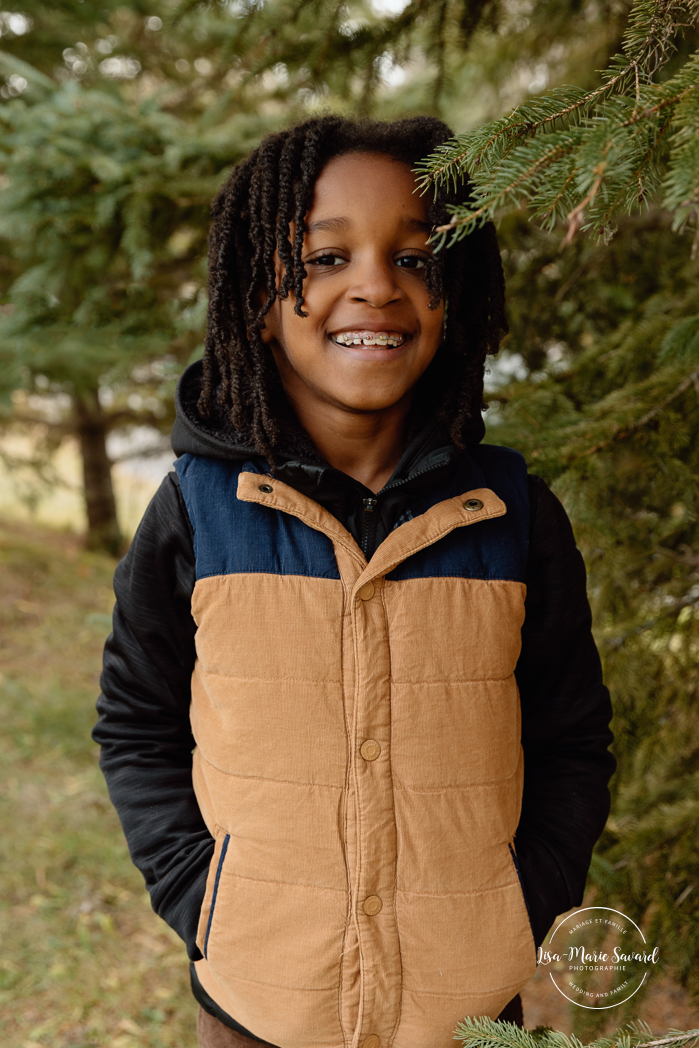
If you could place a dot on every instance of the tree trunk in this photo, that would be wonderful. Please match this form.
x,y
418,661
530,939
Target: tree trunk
x,y
102,525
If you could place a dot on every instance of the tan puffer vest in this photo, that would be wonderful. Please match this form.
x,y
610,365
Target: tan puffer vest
x,y
358,759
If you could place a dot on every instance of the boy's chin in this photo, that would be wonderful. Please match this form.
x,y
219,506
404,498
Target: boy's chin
x,y
356,403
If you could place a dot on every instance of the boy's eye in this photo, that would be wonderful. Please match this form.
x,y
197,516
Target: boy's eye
x,y
329,258
411,262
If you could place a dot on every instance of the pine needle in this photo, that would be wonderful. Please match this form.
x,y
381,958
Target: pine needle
x,y
491,1033
587,158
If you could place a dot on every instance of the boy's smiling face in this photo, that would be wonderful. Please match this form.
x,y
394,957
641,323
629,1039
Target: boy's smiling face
x,y
369,334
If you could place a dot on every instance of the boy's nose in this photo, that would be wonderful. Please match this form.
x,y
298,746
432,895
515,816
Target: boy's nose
x,y
375,284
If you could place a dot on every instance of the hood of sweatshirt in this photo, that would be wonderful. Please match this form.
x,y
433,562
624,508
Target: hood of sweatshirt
x,y
427,462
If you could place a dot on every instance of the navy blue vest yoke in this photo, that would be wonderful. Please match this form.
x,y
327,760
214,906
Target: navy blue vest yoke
x,y
491,549
233,537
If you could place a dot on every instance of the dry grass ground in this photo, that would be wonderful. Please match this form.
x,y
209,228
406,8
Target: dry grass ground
x,y
84,963
665,1007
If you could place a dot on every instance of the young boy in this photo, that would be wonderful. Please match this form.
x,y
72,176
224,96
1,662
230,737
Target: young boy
x,y
351,658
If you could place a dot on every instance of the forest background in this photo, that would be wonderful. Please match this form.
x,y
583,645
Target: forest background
x,y
117,123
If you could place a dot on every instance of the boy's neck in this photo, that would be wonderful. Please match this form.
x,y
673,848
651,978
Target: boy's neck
x,y
365,445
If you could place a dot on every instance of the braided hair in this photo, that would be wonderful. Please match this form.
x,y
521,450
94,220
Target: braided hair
x,y
252,216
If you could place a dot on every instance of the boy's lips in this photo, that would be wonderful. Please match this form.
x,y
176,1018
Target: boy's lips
x,y
385,339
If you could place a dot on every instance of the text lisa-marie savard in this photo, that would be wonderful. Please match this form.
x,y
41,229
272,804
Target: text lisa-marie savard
x,y
586,958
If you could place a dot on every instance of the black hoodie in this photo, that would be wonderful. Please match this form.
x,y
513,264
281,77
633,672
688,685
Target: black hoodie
x,y
144,728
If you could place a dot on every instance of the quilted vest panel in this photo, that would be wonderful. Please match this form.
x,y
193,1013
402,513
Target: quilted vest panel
x,y
358,757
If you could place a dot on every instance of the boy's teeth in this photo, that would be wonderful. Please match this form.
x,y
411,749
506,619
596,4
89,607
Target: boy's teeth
x,y
369,338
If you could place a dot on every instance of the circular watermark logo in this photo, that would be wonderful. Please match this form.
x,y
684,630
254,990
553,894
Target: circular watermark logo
x,y
598,957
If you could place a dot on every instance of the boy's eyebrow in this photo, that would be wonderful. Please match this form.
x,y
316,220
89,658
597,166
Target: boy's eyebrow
x,y
337,225
417,225
331,225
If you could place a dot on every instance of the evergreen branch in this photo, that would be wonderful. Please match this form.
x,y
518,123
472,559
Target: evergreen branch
x,y
333,22
510,128
13,64
679,1038
492,1033
507,169
440,52
503,194
550,211
643,193
622,432
576,216
649,33
507,128
606,126
619,639
672,100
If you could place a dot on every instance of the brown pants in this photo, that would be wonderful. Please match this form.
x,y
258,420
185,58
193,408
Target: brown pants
x,y
213,1034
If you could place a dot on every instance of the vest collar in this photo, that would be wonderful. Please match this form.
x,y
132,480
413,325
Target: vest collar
x,y
411,537
424,468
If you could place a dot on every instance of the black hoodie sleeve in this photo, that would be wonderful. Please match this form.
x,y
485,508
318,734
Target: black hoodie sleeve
x,y
143,725
565,721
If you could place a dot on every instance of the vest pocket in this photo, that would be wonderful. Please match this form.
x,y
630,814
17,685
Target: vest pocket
x,y
513,855
207,913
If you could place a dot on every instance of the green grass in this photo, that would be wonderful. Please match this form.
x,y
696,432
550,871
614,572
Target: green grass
x,y
84,962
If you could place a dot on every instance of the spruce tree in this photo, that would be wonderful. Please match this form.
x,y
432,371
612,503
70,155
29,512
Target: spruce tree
x,y
597,195
111,150
604,403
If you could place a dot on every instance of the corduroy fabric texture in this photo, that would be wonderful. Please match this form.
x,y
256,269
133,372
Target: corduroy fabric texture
x,y
371,891
212,1033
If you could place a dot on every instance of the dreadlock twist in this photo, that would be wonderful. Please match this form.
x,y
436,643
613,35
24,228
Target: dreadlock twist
x,y
252,217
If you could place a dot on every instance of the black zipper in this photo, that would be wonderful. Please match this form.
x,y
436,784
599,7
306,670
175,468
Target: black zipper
x,y
397,483
369,520
367,523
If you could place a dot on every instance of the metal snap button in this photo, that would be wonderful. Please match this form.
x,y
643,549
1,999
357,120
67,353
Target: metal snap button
x,y
473,505
372,1041
266,489
370,750
366,592
372,905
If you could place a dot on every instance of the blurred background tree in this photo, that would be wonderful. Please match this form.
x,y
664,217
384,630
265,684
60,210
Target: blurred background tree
x,y
114,138
117,124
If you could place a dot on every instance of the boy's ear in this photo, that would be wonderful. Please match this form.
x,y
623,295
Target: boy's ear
x,y
259,298
269,326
